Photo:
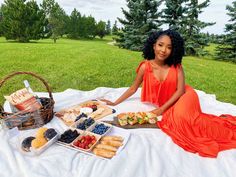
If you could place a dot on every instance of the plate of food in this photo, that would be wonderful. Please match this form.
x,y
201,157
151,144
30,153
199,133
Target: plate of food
x,y
35,143
131,120
93,108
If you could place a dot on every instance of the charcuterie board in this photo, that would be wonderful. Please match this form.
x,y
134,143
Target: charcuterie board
x,y
92,108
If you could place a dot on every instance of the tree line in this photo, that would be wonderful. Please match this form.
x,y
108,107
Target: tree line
x,y
23,21
145,16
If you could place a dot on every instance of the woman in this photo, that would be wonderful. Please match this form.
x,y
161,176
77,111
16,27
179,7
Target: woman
x,y
164,85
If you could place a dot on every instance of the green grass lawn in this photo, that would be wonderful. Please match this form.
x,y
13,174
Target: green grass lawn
x,y
87,64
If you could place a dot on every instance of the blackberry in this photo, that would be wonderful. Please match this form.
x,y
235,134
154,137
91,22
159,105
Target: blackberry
x,y
81,126
80,116
69,136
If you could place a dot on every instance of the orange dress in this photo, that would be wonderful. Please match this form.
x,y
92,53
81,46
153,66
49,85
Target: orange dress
x,y
184,121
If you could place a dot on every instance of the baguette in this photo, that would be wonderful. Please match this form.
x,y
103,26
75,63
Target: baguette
x,y
103,153
115,138
106,147
112,143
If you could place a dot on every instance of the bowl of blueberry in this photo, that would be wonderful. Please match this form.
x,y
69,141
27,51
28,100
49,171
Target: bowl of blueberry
x,y
100,128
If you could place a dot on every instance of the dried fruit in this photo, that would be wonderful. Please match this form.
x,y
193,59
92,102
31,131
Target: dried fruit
x,y
50,133
26,143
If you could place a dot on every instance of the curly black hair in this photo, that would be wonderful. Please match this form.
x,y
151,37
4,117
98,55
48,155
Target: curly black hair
x,y
177,52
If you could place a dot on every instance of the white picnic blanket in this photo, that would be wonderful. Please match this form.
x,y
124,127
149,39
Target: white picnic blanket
x,y
148,153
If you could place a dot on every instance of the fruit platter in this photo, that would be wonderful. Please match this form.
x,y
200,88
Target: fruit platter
x,y
33,144
93,126
94,138
93,108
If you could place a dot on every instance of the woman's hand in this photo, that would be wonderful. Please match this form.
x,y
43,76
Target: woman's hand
x,y
157,112
108,102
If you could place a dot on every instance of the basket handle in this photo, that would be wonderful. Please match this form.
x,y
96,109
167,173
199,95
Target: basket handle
x,y
27,73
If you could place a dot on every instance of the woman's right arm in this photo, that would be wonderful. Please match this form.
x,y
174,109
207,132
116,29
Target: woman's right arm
x,y
131,90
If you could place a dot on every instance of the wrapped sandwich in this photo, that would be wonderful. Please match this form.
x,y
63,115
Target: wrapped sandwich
x,y
152,118
140,117
132,119
122,119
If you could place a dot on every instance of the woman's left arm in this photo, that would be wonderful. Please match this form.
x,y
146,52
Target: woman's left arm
x,y
179,92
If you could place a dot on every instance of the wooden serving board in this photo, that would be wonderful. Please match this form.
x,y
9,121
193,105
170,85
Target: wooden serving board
x,y
116,123
107,110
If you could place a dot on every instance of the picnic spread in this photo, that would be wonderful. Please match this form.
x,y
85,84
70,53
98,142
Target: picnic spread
x,y
73,133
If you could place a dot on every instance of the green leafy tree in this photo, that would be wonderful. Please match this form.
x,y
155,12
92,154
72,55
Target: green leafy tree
x,y
1,19
108,27
56,19
141,18
89,27
227,48
74,25
81,26
115,28
101,29
22,21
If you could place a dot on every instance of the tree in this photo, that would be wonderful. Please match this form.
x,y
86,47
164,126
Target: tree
x,y
89,27
194,39
141,19
115,28
108,27
74,25
56,19
174,13
227,48
1,19
101,29
22,21
182,15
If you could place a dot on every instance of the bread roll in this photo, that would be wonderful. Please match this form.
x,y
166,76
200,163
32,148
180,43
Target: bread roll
x,y
113,138
112,143
106,147
103,153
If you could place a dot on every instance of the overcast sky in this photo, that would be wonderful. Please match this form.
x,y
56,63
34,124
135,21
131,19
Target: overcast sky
x,y
111,9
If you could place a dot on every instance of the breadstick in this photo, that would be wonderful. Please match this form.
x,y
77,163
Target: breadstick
x,y
106,147
103,153
112,143
115,138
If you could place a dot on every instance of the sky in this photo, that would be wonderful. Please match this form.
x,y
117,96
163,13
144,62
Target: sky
x,y
111,9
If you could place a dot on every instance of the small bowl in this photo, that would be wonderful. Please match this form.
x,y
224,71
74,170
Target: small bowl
x,y
97,137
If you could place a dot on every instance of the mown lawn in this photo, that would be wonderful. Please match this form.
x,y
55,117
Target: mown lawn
x,y
87,64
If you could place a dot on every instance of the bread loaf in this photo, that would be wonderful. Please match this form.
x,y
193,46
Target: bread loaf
x,y
103,153
113,138
112,143
106,147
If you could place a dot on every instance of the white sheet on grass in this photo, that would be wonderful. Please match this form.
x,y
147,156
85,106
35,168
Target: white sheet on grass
x,y
148,153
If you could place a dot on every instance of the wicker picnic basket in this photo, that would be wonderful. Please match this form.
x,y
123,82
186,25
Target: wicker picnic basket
x,y
28,120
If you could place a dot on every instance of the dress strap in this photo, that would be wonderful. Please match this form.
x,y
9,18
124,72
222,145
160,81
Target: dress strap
x,y
140,64
147,66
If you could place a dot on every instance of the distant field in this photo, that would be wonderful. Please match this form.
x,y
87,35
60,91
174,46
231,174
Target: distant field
x,y
87,64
